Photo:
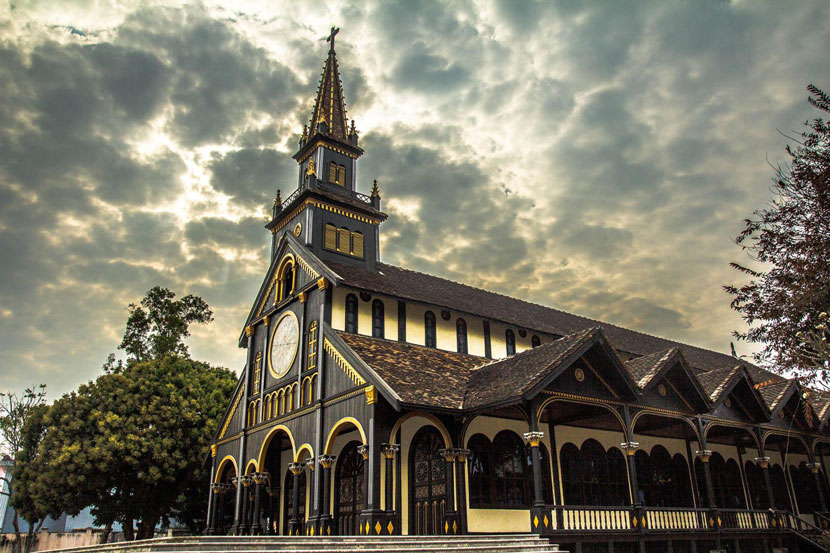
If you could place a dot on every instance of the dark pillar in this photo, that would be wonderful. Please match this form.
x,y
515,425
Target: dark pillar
x,y
763,463
273,513
389,451
326,523
461,456
243,521
450,514
541,519
814,468
260,478
294,524
214,498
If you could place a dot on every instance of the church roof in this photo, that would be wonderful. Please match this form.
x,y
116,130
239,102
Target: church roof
x,y
421,287
514,376
419,375
715,382
643,369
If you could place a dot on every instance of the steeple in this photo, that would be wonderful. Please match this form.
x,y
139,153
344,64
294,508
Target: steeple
x,y
329,115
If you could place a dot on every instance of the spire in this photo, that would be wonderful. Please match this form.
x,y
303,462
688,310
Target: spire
x,y
330,107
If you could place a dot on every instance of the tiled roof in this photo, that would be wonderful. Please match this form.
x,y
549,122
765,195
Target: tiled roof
x,y
415,286
511,377
773,393
643,369
714,382
419,375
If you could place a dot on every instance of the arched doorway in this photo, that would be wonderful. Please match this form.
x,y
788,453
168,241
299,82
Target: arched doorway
x,y
288,504
428,484
225,498
349,500
277,451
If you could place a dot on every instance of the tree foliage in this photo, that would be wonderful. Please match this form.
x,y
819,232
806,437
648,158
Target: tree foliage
x,y
159,325
130,444
784,302
19,415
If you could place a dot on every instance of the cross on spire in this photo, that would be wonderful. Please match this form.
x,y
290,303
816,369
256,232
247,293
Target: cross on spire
x,y
334,31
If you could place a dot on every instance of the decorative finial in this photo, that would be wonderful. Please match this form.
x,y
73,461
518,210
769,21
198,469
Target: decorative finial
x,y
278,199
352,130
310,170
305,133
334,31
375,190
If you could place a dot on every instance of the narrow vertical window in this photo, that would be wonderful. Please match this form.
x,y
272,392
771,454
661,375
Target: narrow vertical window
x,y
344,240
351,314
535,341
257,371
312,346
461,335
331,237
429,329
510,340
341,175
377,319
287,281
357,244
333,172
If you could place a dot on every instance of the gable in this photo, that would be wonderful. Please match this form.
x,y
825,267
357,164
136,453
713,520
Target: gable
x,y
740,401
232,423
308,271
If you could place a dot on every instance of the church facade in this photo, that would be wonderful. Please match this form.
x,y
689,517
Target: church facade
x,y
377,400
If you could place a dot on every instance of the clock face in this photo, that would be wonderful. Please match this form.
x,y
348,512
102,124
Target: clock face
x,y
284,342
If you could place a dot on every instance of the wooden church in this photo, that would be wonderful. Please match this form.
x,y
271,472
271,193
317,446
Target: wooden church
x,y
377,400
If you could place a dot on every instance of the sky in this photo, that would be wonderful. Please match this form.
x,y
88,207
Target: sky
x,y
595,157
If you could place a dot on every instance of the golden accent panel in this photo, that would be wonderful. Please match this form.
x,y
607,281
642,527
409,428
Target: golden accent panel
x,y
343,240
231,414
331,237
357,244
342,363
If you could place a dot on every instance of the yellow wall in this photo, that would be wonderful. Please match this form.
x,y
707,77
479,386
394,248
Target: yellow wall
x,y
445,330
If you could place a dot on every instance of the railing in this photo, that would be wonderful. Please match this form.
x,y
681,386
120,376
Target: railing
x,y
670,518
362,197
822,521
742,519
595,518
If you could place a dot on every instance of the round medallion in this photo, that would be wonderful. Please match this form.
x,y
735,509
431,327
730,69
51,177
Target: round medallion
x,y
284,342
579,374
298,228
780,414
727,402
661,389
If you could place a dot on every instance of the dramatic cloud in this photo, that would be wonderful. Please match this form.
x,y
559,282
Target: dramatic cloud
x,y
595,157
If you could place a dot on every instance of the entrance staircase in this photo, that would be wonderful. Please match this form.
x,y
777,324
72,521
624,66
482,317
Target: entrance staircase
x,y
480,543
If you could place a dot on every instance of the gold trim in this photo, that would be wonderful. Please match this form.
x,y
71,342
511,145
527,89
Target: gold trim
x,y
306,267
371,395
322,283
342,363
302,296
219,470
330,146
431,418
263,449
328,207
333,432
271,345
213,450
249,331
231,414
602,380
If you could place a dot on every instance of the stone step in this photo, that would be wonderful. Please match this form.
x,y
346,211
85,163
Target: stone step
x,y
499,543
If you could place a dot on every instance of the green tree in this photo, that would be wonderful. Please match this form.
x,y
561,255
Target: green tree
x,y
784,301
159,325
131,444
18,415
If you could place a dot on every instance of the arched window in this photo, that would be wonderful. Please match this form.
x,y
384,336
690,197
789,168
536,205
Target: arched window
x,y
508,469
645,478
351,314
571,460
429,329
682,490
535,341
806,495
286,279
510,340
331,237
377,319
344,243
736,499
481,476
333,172
461,335
544,466
617,478
779,488
595,473
757,490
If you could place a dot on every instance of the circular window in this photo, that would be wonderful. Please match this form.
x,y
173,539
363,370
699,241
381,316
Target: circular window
x,y
579,374
661,389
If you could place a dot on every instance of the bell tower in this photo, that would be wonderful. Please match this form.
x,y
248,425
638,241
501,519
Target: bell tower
x,y
325,212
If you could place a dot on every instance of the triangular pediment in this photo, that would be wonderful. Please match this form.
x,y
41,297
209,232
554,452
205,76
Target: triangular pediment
x,y
593,369
737,398
666,380
231,422
309,271
792,412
